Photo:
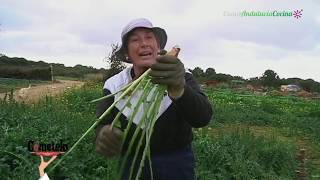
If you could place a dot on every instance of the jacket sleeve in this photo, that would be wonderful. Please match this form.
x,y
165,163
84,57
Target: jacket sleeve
x,y
194,104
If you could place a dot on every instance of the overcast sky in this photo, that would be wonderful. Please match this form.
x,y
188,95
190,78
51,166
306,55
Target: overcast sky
x,y
81,32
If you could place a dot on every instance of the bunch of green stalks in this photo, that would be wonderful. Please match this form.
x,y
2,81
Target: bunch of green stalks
x,y
151,96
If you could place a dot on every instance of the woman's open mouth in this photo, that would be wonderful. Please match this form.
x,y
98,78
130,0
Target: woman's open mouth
x,y
145,54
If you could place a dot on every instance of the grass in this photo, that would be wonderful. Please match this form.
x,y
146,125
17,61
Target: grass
x,y
49,121
294,115
67,78
242,155
294,119
250,137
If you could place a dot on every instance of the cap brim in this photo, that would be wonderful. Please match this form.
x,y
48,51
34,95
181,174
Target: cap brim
x,y
162,36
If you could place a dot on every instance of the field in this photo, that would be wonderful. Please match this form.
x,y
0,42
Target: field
x,y
7,84
249,137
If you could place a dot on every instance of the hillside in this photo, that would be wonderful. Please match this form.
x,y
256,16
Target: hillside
x,y
16,67
268,79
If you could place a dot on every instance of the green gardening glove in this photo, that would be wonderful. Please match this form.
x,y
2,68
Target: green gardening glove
x,y
108,141
169,70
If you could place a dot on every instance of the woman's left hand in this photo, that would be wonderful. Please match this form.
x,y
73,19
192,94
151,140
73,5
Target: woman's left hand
x,y
169,70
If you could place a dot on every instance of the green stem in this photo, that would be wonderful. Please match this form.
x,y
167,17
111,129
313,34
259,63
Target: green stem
x,y
150,163
145,132
127,89
75,144
125,93
146,90
126,104
134,136
134,83
154,114
113,94
136,153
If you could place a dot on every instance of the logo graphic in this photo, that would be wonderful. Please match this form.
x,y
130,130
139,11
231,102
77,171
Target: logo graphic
x,y
297,14
258,13
46,149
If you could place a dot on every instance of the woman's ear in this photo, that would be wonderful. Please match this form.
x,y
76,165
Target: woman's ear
x,y
127,56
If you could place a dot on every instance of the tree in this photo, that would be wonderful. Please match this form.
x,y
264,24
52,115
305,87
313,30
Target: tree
x,y
254,81
310,85
116,64
197,72
270,78
223,77
210,73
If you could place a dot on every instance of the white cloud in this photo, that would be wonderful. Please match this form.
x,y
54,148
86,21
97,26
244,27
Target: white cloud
x,y
250,60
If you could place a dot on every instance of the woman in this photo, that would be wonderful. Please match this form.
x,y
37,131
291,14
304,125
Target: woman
x,y
183,107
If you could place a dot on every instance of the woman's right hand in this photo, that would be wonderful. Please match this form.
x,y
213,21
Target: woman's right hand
x,y
108,141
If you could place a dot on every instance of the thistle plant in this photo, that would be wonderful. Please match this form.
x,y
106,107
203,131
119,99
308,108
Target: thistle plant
x,y
151,96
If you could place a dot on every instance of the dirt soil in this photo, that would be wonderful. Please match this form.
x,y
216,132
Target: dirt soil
x,y
35,93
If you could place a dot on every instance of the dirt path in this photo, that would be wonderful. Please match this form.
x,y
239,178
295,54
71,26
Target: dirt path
x,y
35,93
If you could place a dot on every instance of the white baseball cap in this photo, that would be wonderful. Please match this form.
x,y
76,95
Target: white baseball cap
x,y
160,34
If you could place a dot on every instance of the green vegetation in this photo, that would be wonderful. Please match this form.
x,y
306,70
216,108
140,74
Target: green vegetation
x,y
49,121
7,84
20,68
269,79
293,119
250,137
240,154
293,115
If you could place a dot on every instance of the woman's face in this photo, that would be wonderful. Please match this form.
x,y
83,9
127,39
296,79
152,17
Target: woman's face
x,y
142,47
